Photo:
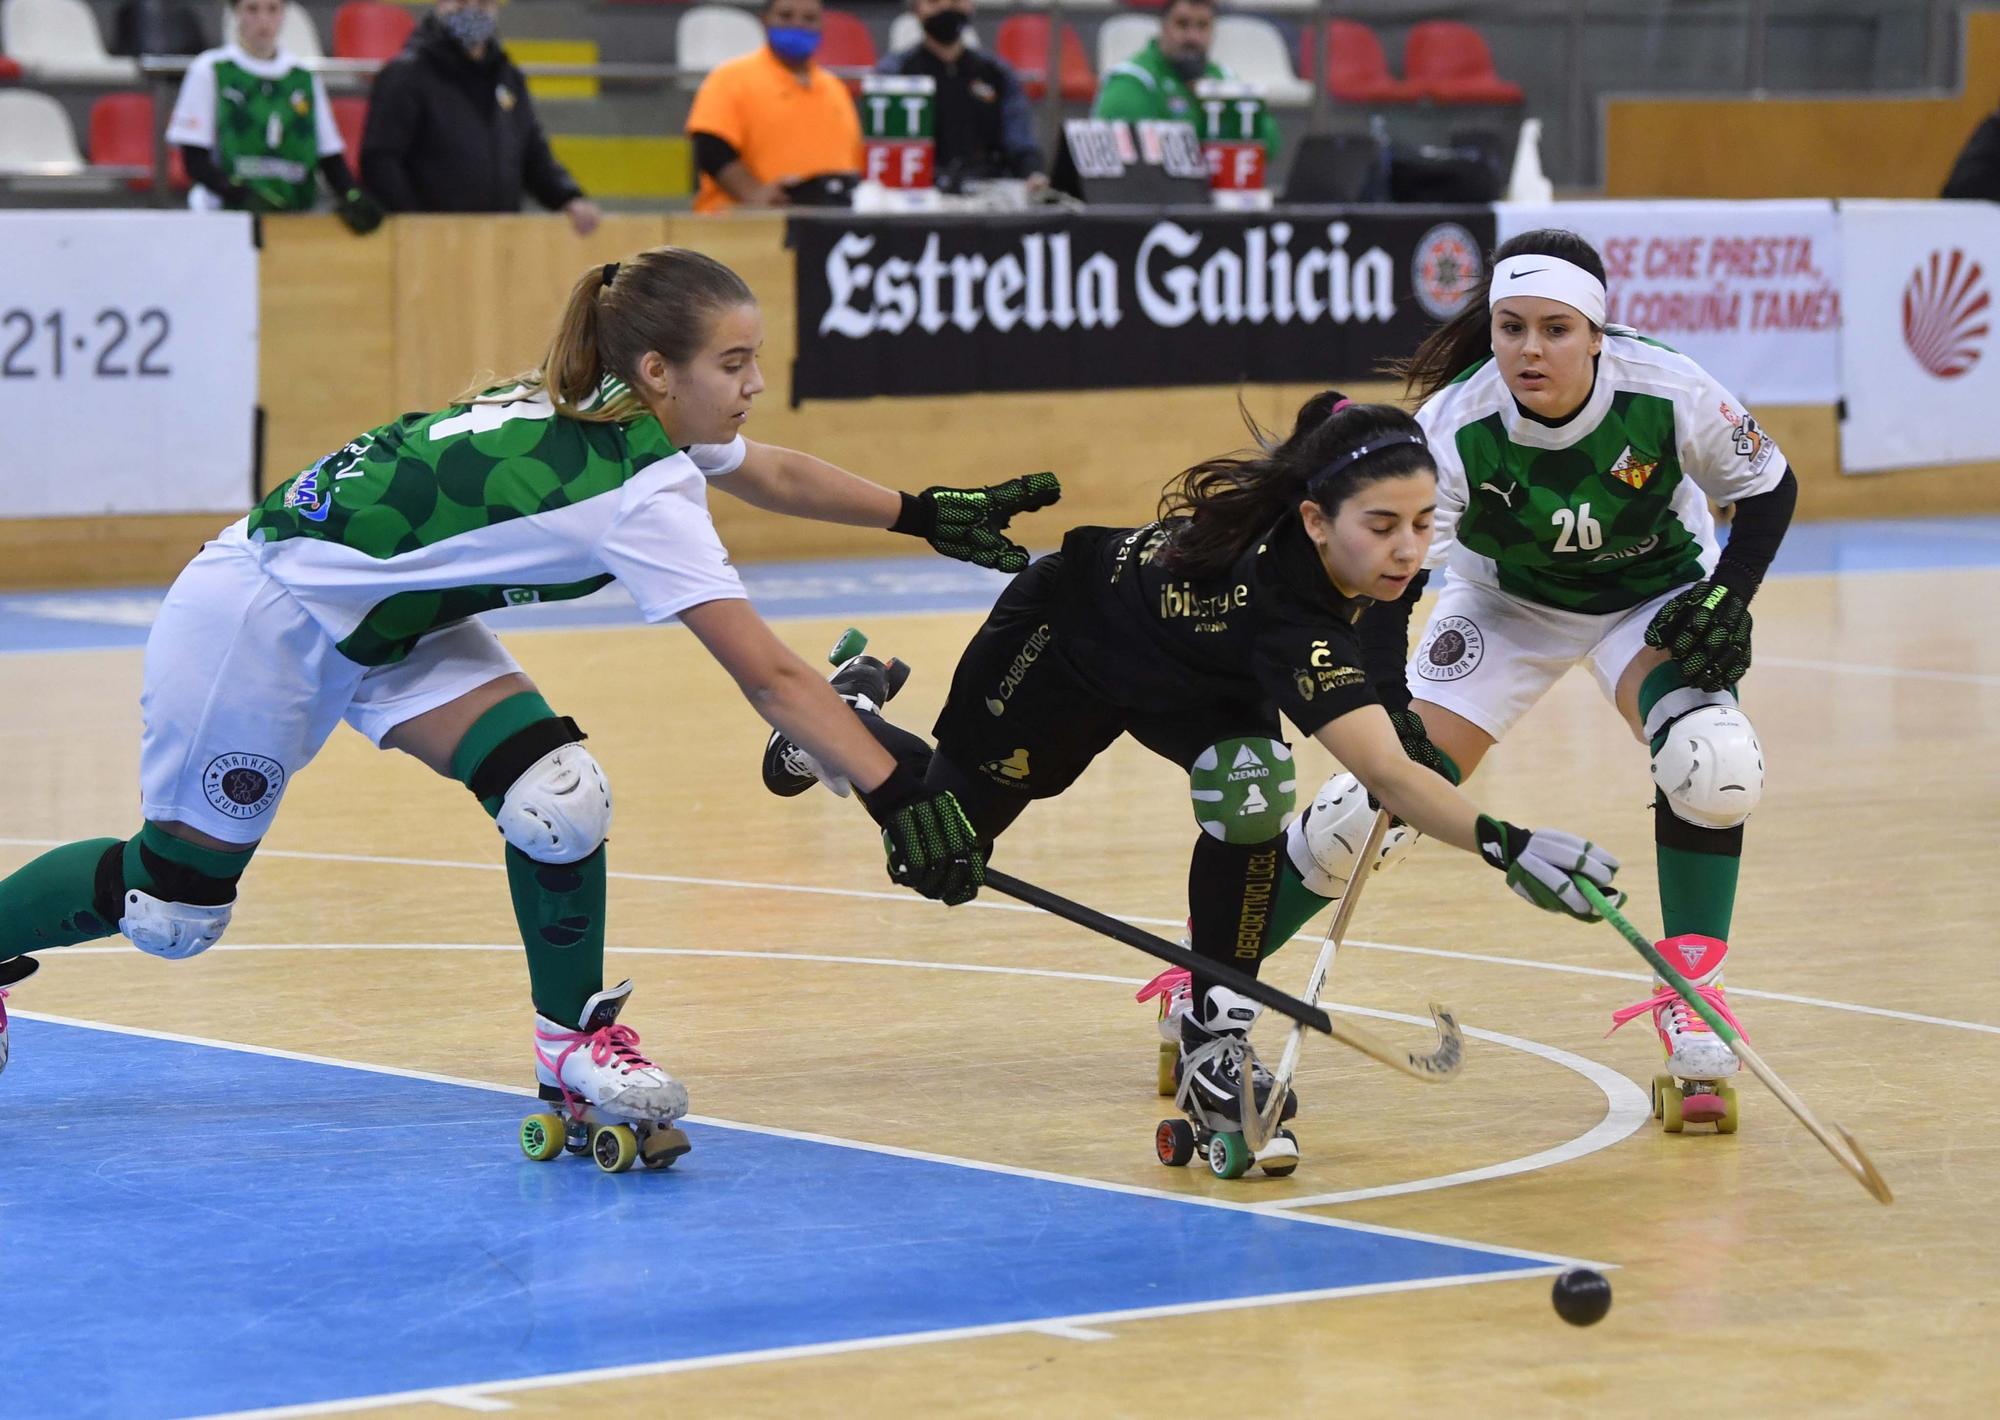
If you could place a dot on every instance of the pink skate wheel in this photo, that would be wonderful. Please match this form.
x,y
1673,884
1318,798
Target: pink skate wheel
x,y
1703,1109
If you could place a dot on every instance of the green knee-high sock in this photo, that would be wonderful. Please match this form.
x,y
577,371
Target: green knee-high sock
x,y
52,901
1697,866
559,907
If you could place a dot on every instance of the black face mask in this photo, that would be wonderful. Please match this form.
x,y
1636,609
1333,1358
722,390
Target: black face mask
x,y
945,26
1188,67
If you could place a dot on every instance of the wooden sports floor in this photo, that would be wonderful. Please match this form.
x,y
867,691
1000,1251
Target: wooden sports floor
x,y
990,1049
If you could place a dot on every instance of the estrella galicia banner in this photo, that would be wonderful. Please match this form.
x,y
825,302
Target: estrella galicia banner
x,y
947,304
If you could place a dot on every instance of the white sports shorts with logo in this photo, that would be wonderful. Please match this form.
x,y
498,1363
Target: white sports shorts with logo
x,y
1488,656
242,687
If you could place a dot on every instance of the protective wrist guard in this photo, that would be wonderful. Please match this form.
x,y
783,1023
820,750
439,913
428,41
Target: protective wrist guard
x,y
1417,744
969,523
359,211
1706,629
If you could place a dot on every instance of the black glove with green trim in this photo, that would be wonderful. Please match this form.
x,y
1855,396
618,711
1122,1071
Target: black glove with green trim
x,y
1538,863
970,523
931,846
1706,629
361,213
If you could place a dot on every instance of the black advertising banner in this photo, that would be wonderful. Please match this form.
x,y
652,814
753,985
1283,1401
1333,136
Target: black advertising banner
x,y
905,305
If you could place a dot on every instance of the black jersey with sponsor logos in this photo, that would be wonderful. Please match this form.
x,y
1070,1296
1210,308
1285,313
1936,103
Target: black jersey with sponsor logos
x,y
1272,628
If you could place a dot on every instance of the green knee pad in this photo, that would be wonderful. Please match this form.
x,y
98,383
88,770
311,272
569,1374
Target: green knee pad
x,y
1243,789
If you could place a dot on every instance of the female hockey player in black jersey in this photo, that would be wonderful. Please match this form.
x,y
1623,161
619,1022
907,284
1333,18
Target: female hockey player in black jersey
x,y
1244,600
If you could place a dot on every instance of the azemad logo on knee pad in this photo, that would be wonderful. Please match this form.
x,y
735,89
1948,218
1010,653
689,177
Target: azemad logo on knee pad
x,y
242,785
1452,649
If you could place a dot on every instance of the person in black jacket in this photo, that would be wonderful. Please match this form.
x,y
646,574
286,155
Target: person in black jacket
x,y
1977,171
982,122
451,128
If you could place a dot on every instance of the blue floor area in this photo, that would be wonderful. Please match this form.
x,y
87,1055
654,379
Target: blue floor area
x,y
861,588
190,1229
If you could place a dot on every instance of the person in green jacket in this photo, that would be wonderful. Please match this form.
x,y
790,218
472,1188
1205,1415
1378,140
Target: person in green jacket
x,y
1157,81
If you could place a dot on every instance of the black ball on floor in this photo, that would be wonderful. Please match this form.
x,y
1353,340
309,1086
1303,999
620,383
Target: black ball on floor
x,y
1582,1296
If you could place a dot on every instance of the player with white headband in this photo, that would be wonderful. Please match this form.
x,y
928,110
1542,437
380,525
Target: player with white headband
x,y
1576,463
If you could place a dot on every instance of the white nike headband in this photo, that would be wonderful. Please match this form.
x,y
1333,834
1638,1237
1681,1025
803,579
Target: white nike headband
x,y
1550,277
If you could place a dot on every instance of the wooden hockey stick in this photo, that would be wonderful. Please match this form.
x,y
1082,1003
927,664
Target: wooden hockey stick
x,y
1851,1157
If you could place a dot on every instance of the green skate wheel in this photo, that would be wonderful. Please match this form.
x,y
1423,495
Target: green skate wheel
x,y
1228,1155
1286,1166
1726,1124
1169,1057
1173,1141
851,644
1667,1097
662,1146
614,1146
541,1137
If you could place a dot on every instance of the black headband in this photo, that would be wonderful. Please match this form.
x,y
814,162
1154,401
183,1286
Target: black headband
x,y
1353,457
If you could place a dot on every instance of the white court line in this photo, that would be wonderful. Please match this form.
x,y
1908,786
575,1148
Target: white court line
x,y
910,899
1625,1105
1084,1321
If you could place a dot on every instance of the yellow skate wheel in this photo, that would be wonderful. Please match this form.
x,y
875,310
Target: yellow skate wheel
x,y
1726,1124
542,1137
1661,1084
1667,1103
1228,1155
662,1146
1169,1056
614,1146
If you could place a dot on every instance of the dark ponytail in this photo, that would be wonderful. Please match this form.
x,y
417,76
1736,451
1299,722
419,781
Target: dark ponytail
x,y
1216,510
1467,338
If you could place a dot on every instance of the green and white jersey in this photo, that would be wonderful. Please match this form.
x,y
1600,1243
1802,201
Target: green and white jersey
x,y
267,121
438,517
1607,509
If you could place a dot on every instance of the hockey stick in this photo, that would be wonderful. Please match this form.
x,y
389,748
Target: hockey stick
x,y
1852,1157
1440,1064
1166,951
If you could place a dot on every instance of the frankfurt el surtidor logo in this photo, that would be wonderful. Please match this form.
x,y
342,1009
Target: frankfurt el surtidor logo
x,y
242,785
1452,649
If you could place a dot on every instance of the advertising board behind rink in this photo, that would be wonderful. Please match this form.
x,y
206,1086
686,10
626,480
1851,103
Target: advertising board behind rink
x,y
900,306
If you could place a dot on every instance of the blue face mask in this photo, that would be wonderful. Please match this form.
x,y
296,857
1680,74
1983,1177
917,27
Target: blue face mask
x,y
792,43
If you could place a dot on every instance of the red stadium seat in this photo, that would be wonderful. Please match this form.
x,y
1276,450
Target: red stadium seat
x,y
370,29
121,135
1360,70
1452,65
1023,42
844,43
9,70
350,116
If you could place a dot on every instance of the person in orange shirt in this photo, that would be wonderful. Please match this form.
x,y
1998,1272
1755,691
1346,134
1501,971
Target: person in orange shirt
x,y
772,119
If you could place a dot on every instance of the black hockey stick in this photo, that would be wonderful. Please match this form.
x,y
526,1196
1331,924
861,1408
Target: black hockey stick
x,y
1159,947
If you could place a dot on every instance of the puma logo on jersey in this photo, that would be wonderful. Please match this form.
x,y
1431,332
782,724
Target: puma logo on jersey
x,y
1505,495
1630,471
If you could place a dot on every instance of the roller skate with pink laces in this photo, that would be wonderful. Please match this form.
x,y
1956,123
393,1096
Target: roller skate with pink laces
x,y
1175,990
13,972
602,1097
1694,1088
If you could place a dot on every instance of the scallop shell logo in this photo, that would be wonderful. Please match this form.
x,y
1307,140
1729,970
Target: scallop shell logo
x,y
1945,313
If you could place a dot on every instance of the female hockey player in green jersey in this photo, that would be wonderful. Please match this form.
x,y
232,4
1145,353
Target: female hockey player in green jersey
x,y
1576,464
1249,598
351,592
253,124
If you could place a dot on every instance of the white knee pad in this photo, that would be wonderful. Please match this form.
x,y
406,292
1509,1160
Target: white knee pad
x,y
1325,841
559,810
174,930
1711,767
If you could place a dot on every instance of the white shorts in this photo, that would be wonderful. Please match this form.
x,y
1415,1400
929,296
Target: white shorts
x,y
242,687
1488,656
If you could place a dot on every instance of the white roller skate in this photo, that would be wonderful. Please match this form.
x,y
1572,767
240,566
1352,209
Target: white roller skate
x,y
611,1102
1694,1088
13,972
1215,1058
863,682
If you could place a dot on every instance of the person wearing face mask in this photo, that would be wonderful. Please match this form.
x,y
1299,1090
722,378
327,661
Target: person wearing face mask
x,y
1577,461
451,127
982,124
253,124
1158,81
773,120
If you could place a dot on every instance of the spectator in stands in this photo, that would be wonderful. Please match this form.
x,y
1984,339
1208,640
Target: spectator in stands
x,y
773,120
1158,81
1977,171
252,123
981,121
451,127
155,27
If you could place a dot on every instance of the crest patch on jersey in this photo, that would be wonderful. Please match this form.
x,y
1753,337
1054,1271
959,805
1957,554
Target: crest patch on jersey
x,y
1452,649
1630,471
